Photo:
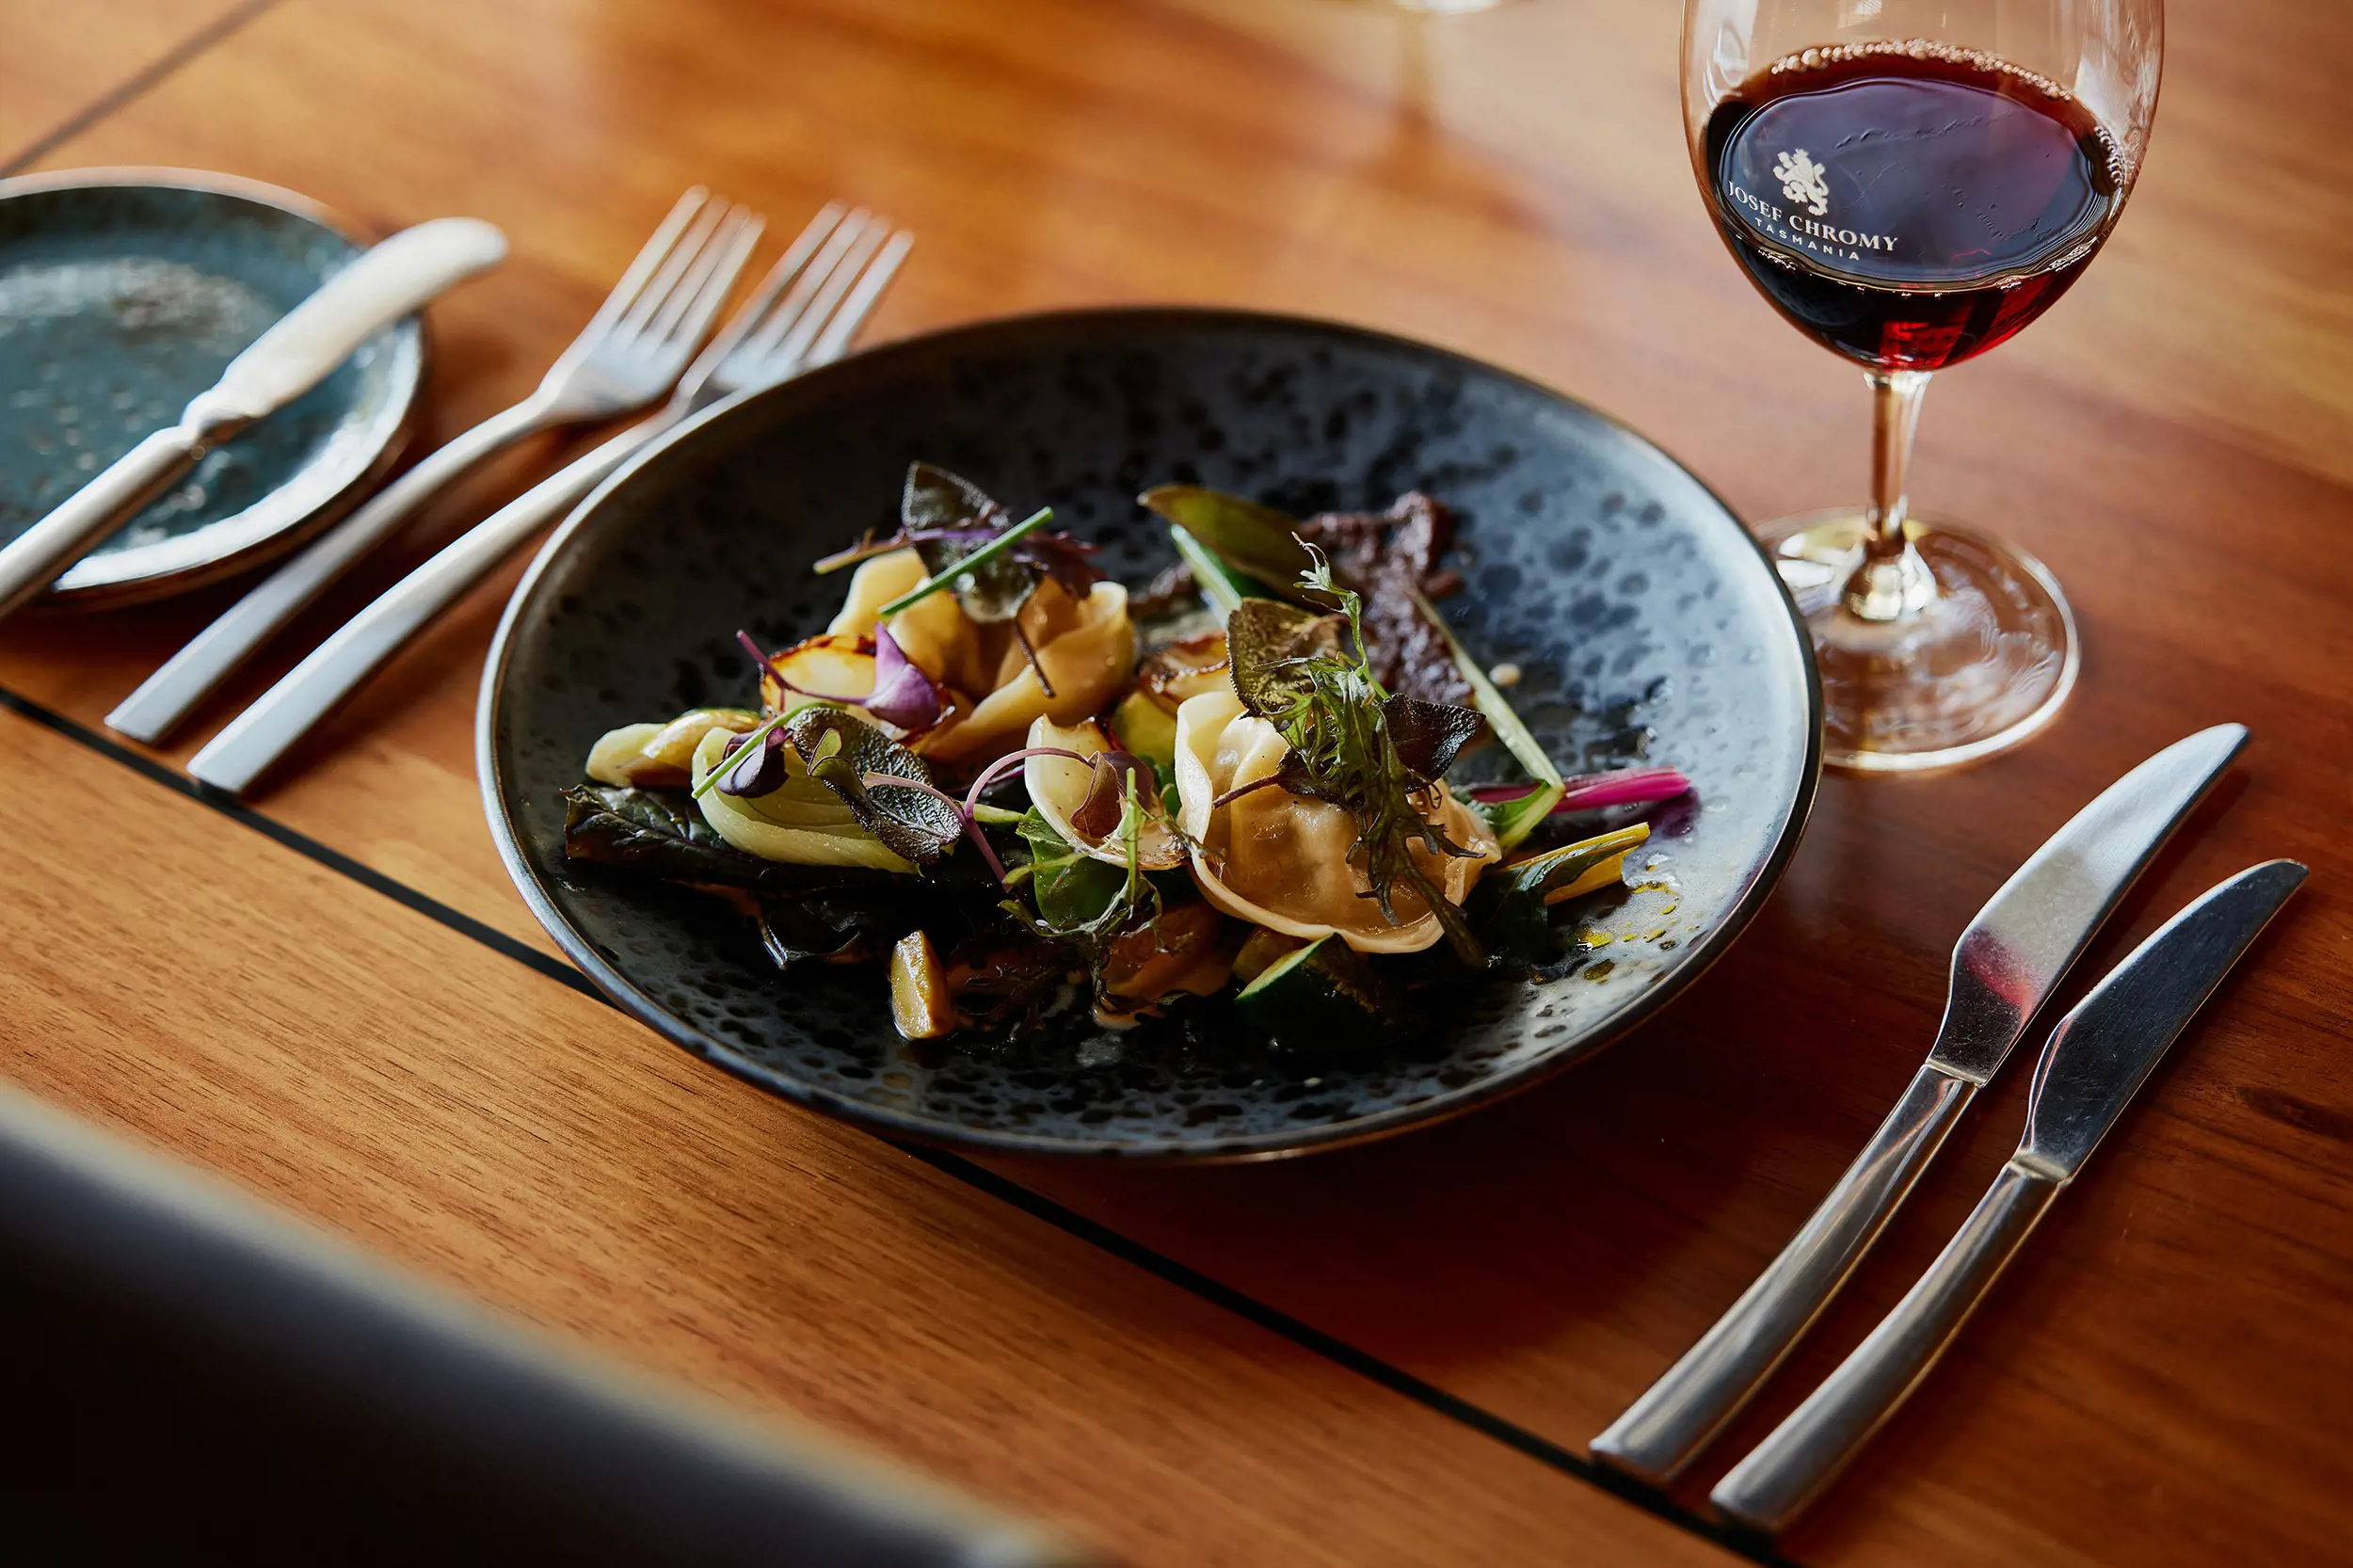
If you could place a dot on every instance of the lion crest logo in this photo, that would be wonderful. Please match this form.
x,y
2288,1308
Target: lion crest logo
x,y
1802,181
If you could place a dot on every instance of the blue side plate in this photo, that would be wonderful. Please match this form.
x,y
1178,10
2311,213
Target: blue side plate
x,y
123,292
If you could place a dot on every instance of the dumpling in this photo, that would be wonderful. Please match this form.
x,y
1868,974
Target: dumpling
x,y
934,633
1087,647
1282,861
802,823
1064,793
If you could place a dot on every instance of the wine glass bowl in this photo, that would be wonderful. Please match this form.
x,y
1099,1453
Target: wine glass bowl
x,y
1909,185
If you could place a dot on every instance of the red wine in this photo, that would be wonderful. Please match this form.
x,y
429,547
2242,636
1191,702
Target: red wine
x,y
1910,205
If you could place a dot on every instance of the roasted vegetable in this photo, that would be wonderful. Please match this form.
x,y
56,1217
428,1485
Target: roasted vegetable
x,y
1184,950
921,1005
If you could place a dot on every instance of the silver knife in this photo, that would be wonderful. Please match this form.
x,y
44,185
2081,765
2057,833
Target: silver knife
x,y
384,284
2005,967
2098,1057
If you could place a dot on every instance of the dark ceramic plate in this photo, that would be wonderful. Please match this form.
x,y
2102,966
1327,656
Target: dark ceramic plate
x,y
1646,623
125,293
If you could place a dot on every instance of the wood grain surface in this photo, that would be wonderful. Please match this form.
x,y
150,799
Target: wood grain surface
x,y
2165,1376
61,65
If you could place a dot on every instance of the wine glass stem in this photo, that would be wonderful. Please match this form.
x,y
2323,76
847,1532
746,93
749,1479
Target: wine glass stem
x,y
1891,582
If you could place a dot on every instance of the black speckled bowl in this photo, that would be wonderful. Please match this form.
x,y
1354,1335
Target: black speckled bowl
x,y
125,293
1646,623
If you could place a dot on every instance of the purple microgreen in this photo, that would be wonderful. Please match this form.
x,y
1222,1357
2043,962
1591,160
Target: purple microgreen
x,y
1063,559
1011,760
1241,789
968,565
1030,652
1125,761
904,695
909,538
866,548
760,771
840,750
936,498
735,753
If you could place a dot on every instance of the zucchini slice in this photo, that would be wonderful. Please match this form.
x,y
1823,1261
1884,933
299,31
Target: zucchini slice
x,y
1325,997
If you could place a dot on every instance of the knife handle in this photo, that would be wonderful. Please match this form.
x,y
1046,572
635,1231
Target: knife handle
x,y
1774,1484
1677,1416
40,555
250,744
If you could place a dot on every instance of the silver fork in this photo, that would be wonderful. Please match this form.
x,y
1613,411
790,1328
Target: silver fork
x,y
835,272
627,356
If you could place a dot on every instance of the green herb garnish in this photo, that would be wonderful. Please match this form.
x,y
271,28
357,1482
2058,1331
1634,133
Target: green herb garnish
x,y
1514,819
1377,756
970,566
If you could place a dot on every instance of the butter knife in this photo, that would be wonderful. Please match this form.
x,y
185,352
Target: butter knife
x,y
2005,967
2098,1057
382,286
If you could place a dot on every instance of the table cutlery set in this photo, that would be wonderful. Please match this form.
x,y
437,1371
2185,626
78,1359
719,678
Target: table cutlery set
x,y
651,347
646,340
2007,965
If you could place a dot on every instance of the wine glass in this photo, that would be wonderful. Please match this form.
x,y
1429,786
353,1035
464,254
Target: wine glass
x,y
1908,183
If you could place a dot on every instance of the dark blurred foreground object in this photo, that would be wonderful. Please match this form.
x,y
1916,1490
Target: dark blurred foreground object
x,y
189,1376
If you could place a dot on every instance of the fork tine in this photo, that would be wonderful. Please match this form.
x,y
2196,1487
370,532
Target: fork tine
x,y
650,256
657,293
710,281
794,351
754,310
862,300
787,315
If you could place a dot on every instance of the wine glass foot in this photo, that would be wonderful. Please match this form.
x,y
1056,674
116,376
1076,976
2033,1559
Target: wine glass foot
x,y
1981,667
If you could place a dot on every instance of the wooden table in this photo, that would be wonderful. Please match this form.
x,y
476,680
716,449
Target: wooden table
x,y
1385,1355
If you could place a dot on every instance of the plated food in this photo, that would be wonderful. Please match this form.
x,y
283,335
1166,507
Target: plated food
x,y
1028,790
1644,626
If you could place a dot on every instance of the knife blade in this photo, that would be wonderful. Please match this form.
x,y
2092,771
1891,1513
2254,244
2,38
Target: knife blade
x,y
382,286
2097,1058
2003,968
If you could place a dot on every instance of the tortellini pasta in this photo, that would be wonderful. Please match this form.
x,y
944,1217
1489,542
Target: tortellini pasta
x,y
1087,647
801,823
1283,861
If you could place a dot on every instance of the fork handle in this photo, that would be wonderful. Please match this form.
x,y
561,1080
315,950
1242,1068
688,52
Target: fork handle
x,y
258,737
189,676
1784,1472
1665,1430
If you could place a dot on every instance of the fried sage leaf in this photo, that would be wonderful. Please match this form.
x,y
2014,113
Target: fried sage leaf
x,y
1429,735
950,518
842,751
1295,670
1270,645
